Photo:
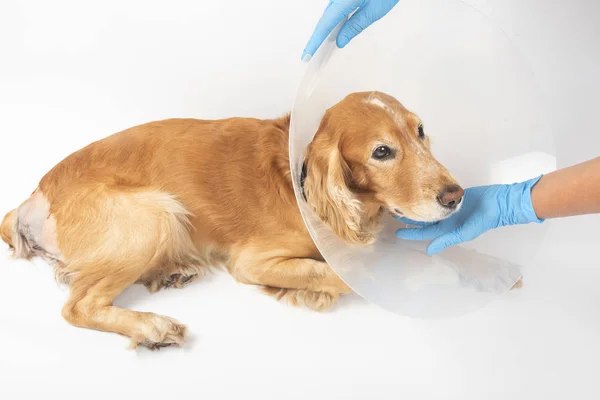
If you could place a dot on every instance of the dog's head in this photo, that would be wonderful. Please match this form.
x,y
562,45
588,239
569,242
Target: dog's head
x,y
371,154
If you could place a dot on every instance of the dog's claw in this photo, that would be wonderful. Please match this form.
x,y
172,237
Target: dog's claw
x,y
178,280
158,346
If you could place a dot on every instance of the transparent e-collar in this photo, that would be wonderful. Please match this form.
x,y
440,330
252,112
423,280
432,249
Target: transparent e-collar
x,y
479,101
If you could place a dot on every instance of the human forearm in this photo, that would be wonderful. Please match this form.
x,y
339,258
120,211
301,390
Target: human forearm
x,y
569,191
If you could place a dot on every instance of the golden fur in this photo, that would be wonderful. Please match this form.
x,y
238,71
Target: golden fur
x,y
159,203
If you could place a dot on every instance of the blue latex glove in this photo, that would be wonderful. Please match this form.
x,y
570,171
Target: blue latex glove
x,y
484,208
368,12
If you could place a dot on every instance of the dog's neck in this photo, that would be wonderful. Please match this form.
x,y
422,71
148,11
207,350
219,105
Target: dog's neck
x,y
303,179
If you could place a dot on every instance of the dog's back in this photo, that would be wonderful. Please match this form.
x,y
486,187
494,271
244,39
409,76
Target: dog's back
x,y
219,170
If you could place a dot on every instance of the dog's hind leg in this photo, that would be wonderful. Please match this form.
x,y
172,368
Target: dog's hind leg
x,y
91,305
111,238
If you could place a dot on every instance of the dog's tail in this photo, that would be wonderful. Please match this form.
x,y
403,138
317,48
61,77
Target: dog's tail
x,y
9,232
9,224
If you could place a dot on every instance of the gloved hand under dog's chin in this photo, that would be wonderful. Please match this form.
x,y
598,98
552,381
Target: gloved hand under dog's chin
x,y
484,208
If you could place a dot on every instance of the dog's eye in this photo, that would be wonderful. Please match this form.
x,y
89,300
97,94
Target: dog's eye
x,y
382,153
421,132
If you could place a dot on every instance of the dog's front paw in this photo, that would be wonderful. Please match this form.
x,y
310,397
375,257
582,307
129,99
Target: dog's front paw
x,y
317,301
176,276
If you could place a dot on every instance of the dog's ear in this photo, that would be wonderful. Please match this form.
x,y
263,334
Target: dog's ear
x,y
327,188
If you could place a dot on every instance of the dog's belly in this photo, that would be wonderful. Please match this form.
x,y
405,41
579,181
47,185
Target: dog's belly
x,y
37,227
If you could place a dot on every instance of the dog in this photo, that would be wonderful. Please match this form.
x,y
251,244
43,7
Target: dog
x,y
159,203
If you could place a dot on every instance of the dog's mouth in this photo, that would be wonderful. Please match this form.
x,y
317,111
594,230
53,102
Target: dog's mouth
x,y
440,214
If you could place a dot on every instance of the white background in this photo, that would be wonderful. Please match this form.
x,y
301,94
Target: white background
x,y
72,72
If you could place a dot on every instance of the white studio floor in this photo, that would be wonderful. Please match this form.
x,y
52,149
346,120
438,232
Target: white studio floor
x,y
538,342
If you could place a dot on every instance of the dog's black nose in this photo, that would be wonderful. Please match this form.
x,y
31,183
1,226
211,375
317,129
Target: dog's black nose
x,y
450,196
